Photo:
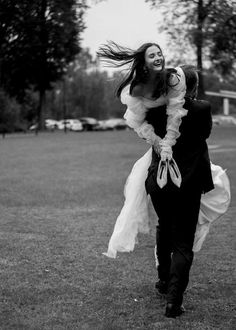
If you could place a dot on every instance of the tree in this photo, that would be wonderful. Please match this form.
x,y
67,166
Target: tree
x,y
9,115
86,91
201,24
39,39
223,50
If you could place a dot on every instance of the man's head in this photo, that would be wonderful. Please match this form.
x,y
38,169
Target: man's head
x,y
191,76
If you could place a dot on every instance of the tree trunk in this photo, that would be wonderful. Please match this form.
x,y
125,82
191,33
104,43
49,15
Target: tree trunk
x,y
64,105
42,65
201,89
40,119
199,45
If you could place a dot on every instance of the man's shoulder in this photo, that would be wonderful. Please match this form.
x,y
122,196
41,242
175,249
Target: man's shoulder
x,y
203,103
197,105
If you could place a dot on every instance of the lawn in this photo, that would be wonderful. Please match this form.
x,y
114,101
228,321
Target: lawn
x,y
59,199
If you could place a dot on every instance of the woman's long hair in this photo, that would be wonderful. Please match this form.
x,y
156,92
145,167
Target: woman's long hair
x,y
117,56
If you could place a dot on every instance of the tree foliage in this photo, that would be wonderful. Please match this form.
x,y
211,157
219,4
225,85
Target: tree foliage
x,y
223,47
10,119
87,91
207,26
38,38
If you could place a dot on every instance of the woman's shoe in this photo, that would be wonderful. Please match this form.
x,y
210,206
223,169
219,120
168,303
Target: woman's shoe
x,y
162,173
174,172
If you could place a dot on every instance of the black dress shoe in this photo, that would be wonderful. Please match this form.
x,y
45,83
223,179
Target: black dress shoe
x,y
173,310
161,287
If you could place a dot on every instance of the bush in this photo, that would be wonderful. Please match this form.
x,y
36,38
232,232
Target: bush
x,y
10,111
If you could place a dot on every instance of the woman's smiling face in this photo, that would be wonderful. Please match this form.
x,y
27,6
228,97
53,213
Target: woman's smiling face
x,y
154,60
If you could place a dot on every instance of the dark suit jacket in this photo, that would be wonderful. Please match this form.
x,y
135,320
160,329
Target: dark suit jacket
x,y
190,151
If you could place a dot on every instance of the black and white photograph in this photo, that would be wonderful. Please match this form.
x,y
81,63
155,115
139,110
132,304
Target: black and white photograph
x,y
117,166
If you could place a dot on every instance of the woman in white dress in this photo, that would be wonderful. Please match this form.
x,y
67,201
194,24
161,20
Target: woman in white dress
x,y
149,84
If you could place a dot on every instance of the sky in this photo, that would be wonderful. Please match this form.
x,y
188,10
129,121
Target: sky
x,y
127,22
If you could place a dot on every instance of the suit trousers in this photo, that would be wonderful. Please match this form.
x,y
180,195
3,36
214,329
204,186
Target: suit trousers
x,y
177,210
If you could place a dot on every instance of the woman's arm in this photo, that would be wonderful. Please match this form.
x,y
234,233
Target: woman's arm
x,y
135,117
175,112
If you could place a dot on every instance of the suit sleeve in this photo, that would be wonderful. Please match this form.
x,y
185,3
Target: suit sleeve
x,y
203,121
208,121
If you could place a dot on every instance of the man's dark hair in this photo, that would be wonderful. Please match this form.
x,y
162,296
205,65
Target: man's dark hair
x,y
191,76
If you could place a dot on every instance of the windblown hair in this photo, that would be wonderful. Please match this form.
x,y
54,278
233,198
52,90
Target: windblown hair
x,y
117,56
190,72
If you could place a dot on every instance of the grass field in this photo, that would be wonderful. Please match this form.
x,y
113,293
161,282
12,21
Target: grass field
x,y
59,199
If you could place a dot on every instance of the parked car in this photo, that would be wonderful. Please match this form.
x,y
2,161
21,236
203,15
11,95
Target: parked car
x,y
88,123
51,124
76,126
70,124
101,126
62,124
33,127
115,124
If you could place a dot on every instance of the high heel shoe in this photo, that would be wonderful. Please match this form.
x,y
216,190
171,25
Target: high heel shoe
x,y
162,173
174,172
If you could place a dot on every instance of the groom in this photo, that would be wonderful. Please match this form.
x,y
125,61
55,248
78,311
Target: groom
x,y
178,208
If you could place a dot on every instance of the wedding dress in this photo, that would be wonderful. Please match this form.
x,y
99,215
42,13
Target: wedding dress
x,y
134,215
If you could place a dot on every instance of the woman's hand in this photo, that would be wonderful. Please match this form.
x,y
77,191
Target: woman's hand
x,y
156,144
166,153
157,149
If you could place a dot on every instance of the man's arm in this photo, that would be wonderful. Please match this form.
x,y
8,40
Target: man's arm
x,y
208,120
204,120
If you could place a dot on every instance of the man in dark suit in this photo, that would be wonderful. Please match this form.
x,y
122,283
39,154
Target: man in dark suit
x,y
178,208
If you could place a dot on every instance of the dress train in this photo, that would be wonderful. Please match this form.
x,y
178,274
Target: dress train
x,y
134,215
